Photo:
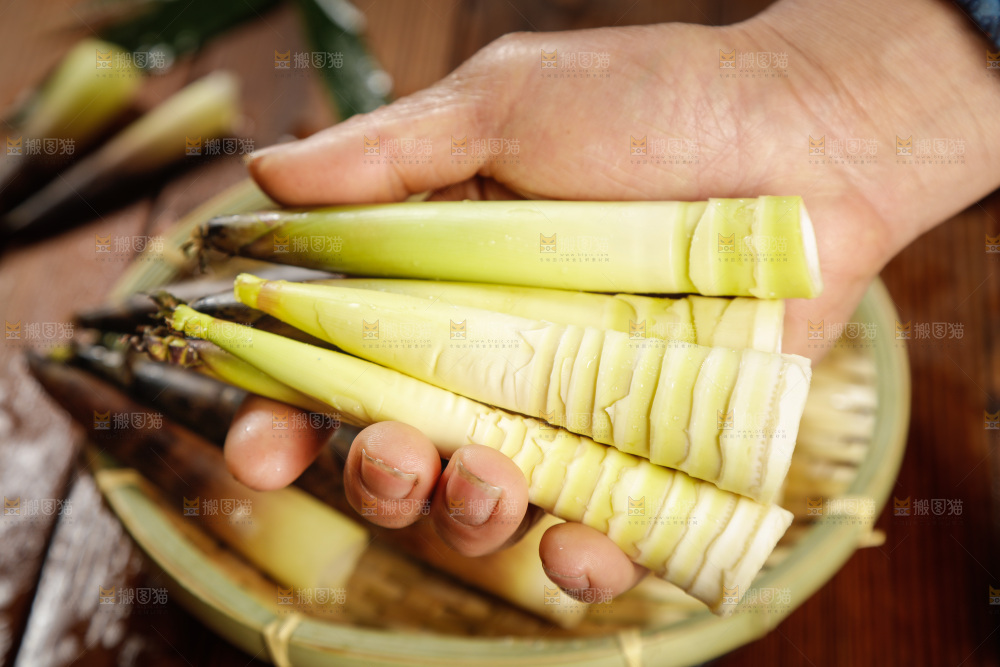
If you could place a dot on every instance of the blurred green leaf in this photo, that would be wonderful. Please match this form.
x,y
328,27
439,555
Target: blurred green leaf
x,y
354,79
175,27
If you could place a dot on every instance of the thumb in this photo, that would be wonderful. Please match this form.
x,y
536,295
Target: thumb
x,y
385,155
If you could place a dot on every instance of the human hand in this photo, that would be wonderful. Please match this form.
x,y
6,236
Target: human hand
x,y
851,75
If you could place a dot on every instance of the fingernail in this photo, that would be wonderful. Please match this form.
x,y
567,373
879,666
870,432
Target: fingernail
x,y
471,500
572,585
383,481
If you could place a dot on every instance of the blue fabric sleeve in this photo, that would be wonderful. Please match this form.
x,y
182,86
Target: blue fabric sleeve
x,y
986,14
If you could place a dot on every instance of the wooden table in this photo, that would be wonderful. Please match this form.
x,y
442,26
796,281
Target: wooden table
x,y
920,599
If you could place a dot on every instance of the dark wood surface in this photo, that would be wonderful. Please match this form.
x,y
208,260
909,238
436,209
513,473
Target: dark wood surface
x,y
920,599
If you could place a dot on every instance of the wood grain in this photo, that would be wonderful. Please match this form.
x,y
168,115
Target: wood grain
x,y
920,599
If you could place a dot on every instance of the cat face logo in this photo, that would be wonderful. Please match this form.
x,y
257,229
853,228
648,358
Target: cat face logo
x,y
550,60
281,243
817,146
369,507
724,419
904,147
102,243
637,507
279,421
552,595
546,243
15,146
636,330
727,60
900,507
637,146
814,506
105,595
284,595
730,595
993,60
456,506
103,59
283,60
192,146
727,243
816,330
102,420
12,331
460,146
994,592
993,243
369,330
904,331
192,507
12,507
457,330
372,145
548,420
991,421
